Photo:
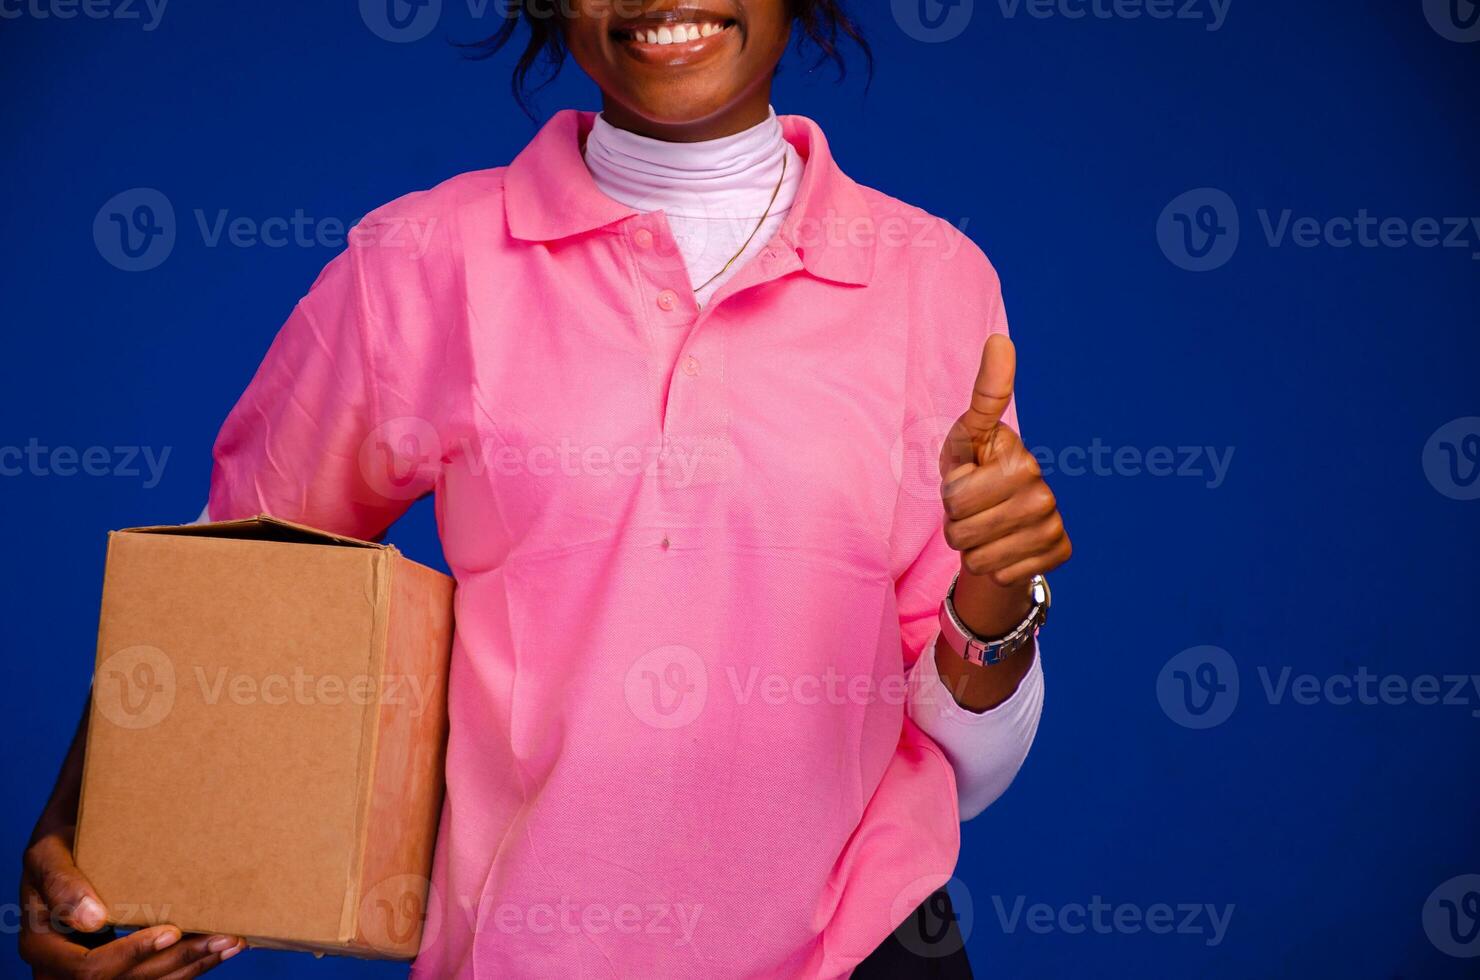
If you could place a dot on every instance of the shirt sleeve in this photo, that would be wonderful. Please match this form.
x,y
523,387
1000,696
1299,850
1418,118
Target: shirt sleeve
x,y
306,442
985,748
963,299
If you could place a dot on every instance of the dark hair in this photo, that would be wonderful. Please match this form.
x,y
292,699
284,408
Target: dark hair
x,y
823,22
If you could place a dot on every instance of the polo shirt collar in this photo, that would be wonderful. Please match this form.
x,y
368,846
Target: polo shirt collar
x,y
549,195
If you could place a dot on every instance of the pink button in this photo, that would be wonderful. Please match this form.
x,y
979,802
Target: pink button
x,y
667,300
691,366
643,238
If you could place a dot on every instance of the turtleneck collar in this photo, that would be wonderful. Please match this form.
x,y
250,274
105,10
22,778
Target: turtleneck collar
x,y
729,178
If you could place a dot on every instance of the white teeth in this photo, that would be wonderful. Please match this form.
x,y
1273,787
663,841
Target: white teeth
x,y
677,33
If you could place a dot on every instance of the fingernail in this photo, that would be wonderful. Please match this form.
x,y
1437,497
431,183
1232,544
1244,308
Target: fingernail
x,y
166,939
232,952
219,943
89,914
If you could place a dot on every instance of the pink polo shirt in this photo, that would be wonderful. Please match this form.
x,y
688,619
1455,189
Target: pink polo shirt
x,y
696,551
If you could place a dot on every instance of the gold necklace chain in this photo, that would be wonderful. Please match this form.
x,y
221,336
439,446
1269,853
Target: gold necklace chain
x,y
759,225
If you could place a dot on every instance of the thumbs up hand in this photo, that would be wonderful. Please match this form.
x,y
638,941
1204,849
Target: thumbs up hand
x,y
1004,521
1000,514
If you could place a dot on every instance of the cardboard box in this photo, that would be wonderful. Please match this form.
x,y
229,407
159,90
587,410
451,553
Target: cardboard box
x,y
265,749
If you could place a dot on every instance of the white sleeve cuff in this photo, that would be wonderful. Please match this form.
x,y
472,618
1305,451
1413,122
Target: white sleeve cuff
x,y
985,748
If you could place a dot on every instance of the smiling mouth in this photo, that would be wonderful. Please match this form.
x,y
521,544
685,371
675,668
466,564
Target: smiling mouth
x,y
673,33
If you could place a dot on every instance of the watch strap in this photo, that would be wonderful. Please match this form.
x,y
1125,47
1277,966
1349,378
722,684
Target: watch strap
x,y
987,650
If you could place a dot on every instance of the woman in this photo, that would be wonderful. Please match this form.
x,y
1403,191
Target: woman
x,y
669,375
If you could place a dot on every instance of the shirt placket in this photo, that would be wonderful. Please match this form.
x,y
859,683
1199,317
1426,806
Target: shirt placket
x,y
690,364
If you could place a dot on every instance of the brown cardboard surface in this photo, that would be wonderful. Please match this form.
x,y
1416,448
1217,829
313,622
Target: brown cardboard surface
x,y
265,748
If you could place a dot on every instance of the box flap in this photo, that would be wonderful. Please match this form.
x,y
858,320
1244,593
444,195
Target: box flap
x,y
259,528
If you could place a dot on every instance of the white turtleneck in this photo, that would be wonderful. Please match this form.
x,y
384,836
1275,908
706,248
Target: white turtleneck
x,y
713,192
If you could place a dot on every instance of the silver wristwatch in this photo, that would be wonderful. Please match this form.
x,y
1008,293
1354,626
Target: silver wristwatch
x,y
981,650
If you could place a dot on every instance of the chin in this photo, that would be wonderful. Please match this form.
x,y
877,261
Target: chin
x,y
674,109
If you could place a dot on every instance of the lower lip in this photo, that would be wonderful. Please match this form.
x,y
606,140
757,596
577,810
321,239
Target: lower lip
x,y
680,53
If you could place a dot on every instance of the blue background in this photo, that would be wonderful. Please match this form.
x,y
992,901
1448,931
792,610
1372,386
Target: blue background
x,y
1059,141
